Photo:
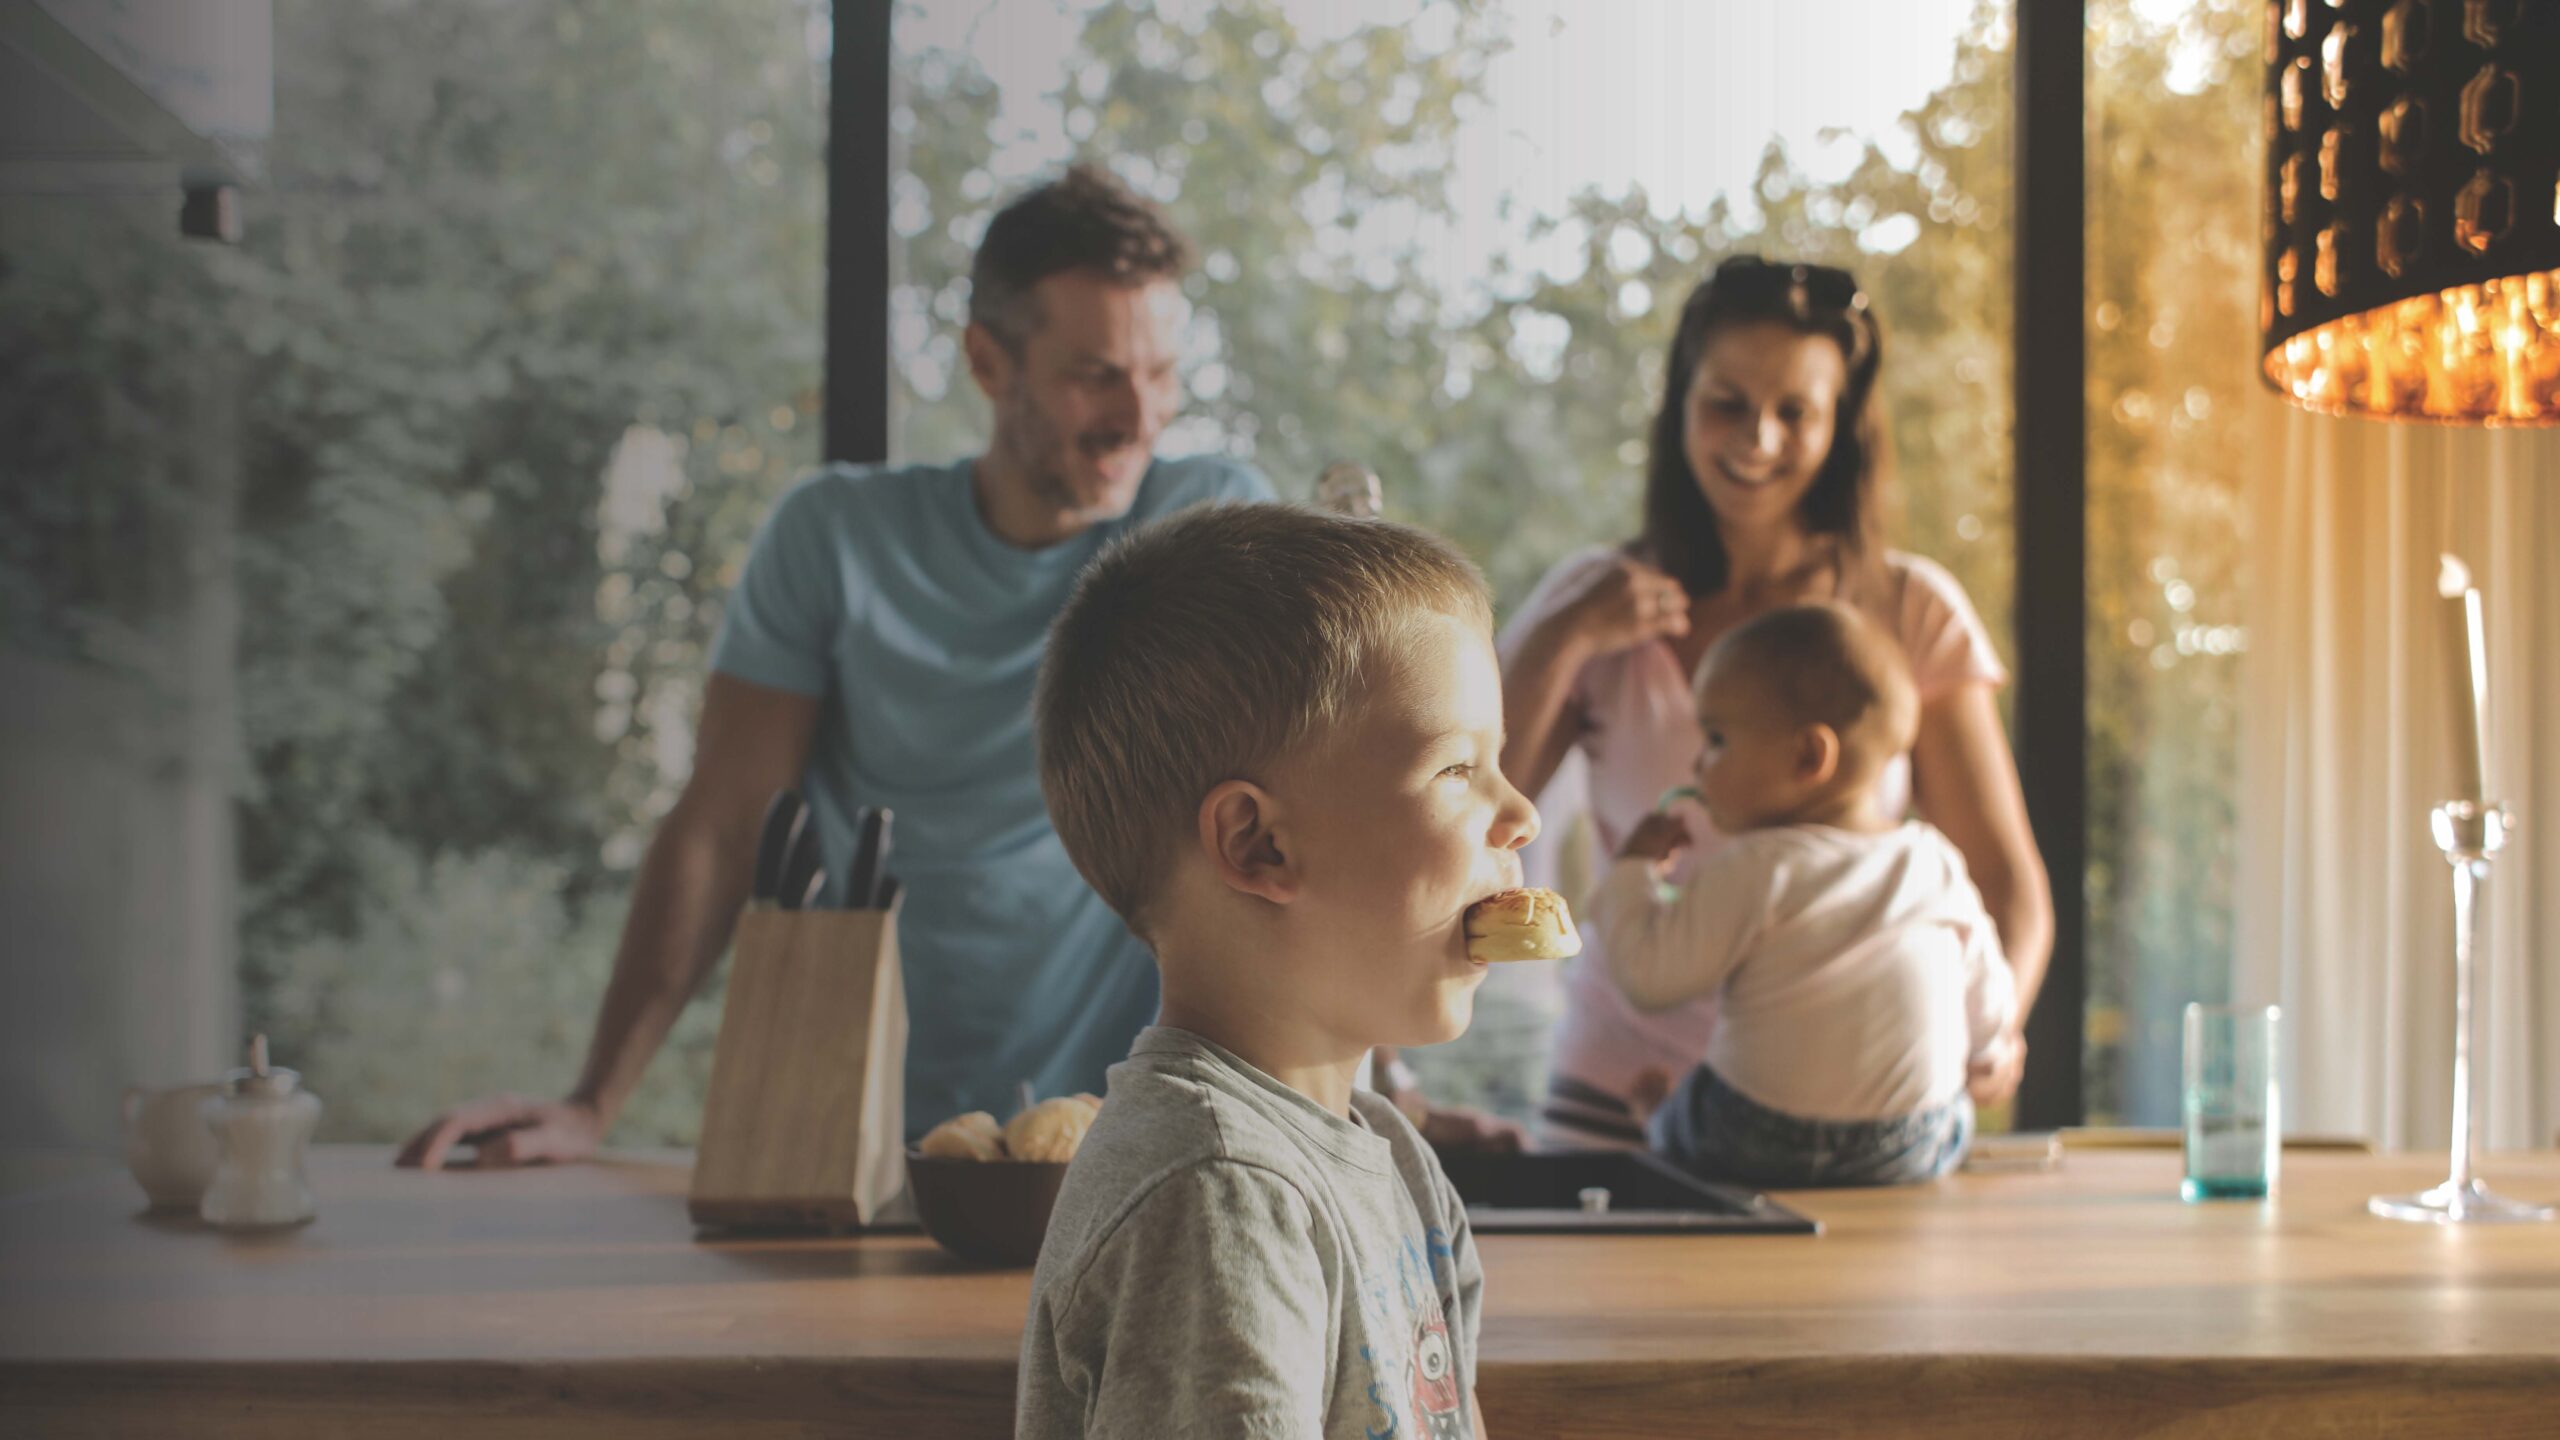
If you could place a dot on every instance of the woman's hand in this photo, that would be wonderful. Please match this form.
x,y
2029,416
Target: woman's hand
x,y
1446,1127
1456,1127
1626,604
1612,605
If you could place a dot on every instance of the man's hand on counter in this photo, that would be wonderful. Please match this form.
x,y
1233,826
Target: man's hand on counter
x,y
509,1130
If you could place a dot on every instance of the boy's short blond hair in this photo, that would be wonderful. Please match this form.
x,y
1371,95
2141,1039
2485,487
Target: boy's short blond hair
x,y
1207,646
1827,664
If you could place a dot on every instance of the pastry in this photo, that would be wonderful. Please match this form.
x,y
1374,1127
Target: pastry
x,y
1050,1130
964,1137
1521,925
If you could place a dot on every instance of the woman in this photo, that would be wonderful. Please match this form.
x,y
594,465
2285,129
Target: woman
x,y
1762,491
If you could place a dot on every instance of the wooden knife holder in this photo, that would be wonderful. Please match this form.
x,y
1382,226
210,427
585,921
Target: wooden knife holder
x,y
804,1127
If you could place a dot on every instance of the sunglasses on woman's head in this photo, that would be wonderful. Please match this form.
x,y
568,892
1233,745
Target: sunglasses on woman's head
x,y
1746,277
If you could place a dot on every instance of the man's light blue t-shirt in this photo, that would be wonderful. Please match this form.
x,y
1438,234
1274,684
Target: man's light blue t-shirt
x,y
882,592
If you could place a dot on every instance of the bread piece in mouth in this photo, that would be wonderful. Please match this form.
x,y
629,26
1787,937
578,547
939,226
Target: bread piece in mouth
x,y
1528,924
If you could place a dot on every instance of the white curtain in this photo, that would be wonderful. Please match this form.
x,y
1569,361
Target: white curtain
x,y
2345,905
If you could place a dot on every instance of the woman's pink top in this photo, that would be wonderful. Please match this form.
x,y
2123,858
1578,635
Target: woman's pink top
x,y
1641,738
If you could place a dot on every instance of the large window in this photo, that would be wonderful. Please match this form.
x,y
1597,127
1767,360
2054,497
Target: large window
x,y
525,335
1450,240
2174,95
521,339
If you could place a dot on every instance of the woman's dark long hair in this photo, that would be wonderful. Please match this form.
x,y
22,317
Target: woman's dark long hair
x,y
1680,533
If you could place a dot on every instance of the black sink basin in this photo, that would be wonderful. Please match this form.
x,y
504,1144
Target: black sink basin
x,y
1543,1193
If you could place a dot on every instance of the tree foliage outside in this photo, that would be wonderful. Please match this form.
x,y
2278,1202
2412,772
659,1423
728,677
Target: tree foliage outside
x,y
1506,411
2173,289
525,336
1509,411
501,253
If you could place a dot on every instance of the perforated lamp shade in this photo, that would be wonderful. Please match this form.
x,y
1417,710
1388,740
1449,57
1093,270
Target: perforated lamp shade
x,y
2412,230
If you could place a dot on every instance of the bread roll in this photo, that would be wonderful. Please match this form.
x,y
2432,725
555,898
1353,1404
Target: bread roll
x,y
1050,1130
1521,925
973,1136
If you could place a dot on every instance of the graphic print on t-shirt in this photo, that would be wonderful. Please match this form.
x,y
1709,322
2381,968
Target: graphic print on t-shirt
x,y
1416,1393
1435,1380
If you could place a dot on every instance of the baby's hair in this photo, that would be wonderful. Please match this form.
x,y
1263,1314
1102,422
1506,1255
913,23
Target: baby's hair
x,y
1826,664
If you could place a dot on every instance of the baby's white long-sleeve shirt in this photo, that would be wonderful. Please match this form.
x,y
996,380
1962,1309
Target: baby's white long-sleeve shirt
x,y
1860,973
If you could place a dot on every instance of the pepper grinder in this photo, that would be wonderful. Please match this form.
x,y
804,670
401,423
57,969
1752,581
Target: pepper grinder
x,y
1348,487
262,1120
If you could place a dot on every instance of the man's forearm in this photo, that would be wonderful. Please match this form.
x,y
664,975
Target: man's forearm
x,y
692,885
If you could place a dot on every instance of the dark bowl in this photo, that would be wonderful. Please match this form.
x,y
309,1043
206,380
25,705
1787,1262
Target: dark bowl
x,y
988,1212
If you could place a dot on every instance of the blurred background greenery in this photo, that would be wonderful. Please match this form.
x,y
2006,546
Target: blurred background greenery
x,y
524,337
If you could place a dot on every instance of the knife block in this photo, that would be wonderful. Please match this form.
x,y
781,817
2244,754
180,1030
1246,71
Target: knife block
x,y
804,1126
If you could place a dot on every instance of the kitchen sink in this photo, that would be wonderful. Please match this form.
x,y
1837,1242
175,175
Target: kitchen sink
x,y
1610,1192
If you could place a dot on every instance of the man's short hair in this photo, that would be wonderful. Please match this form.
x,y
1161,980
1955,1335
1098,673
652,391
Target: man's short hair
x,y
1205,648
1827,664
1083,220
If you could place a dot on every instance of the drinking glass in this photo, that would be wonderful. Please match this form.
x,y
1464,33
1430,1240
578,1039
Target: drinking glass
x,y
2233,1119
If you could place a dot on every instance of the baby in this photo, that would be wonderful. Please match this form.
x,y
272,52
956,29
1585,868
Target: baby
x,y
1271,739
1858,971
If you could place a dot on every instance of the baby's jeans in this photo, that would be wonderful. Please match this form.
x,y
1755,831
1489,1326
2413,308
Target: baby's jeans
x,y
1718,1133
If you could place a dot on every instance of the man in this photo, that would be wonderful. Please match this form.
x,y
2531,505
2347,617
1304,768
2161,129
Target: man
x,y
880,650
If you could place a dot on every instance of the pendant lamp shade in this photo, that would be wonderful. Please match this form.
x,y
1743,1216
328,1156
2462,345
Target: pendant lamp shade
x,y
2412,230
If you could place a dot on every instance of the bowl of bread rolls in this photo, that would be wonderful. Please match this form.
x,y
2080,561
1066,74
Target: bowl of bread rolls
x,y
984,1190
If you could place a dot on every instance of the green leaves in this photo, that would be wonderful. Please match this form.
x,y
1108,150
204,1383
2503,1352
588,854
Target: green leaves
x,y
500,241
492,238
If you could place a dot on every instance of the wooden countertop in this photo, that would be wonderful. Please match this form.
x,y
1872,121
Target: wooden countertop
x,y
575,1301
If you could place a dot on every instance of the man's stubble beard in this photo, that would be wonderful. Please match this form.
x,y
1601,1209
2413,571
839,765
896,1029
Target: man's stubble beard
x,y
1037,448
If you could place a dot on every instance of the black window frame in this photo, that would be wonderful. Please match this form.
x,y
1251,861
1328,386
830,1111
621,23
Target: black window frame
x,y
855,404
2051,525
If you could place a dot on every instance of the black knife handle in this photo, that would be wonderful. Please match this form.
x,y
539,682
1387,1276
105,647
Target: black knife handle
x,y
782,817
870,855
803,867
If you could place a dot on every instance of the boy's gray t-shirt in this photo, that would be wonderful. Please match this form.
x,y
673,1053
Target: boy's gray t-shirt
x,y
1229,1258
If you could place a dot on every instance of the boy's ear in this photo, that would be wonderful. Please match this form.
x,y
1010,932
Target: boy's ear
x,y
1817,754
1239,833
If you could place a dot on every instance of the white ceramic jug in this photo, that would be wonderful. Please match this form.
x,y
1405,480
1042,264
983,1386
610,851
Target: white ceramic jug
x,y
168,1146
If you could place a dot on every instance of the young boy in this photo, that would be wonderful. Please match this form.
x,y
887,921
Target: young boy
x,y
1269,738
1859,971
